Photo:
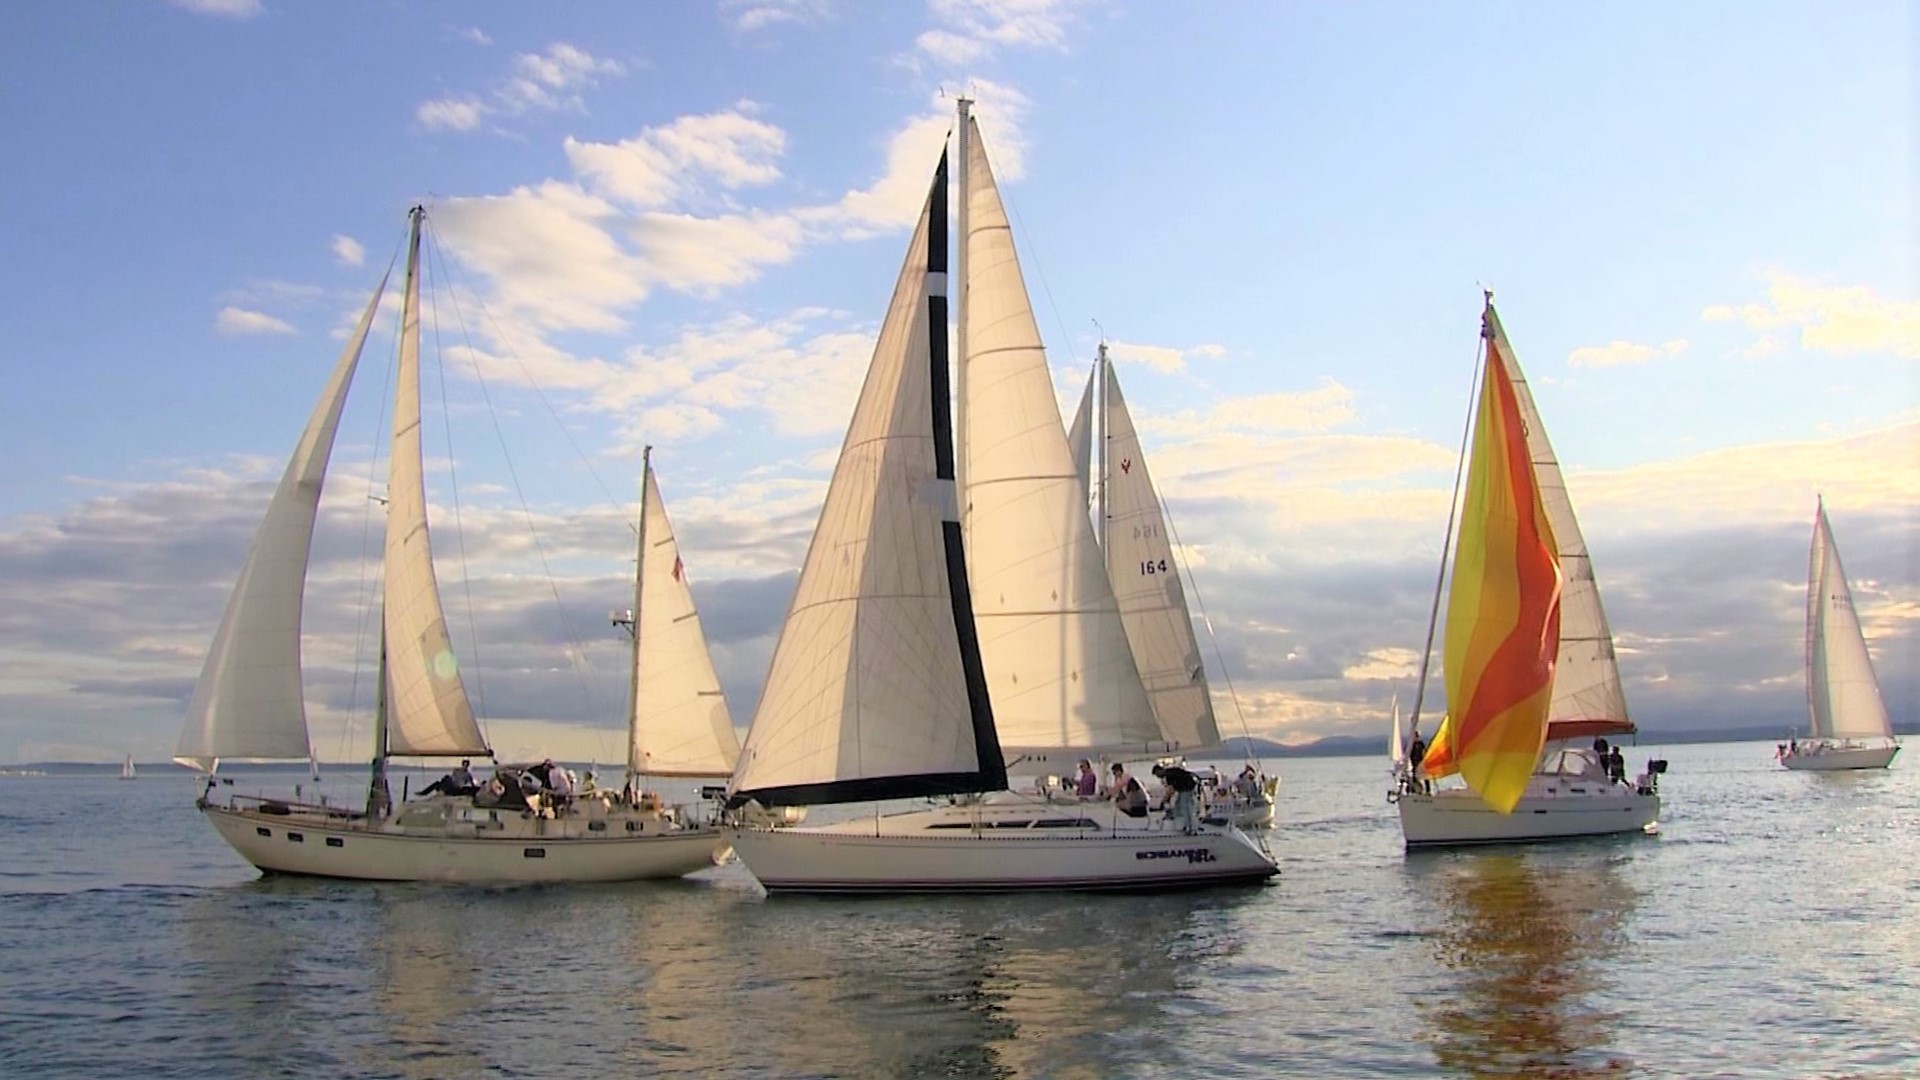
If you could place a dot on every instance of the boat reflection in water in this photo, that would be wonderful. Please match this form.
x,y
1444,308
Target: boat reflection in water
x,y
1524,935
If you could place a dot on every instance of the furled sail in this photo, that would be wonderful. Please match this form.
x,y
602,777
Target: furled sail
x,y
428,714
680,724
1057,662
1842,693
248,703
875,690
1503,605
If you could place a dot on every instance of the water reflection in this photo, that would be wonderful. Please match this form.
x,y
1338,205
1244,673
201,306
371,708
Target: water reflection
x,y
958,987
1525,936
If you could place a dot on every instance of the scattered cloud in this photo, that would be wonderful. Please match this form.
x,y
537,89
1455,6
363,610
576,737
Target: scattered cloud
x,y
1619,353
969,31
348,251
471,33
751,15
1841,320
664,164
550,81
225,9
1161,357
235,321
1328,406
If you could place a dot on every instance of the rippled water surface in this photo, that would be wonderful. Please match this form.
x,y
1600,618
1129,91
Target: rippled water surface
x,y
1771,930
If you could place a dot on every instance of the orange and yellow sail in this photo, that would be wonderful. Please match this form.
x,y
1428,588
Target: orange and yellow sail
x,y
1503,610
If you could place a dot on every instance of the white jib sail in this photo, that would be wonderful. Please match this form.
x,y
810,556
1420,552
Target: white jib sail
x,y
1586,678
428,713
866,680
1146,585
1080,438
1058,666
248,703
680,724
1842,692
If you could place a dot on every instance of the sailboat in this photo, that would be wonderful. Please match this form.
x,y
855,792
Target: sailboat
x,y
126,768
954,614
1397,746
1529,655
1850,728
249,704
1131,528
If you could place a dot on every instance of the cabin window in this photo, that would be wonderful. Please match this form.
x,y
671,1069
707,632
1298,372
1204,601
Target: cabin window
x,y
1066,823
535,853
296,838
334,841
596,826
263,831
633,826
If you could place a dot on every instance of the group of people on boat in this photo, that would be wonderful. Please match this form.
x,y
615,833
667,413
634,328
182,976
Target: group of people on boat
x,y
1181,794
546,789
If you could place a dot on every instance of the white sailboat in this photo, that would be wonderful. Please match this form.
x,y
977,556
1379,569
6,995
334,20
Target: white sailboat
x,y
954,613
1850,728
1130,526
1570,793
1396,745
126,768
248,704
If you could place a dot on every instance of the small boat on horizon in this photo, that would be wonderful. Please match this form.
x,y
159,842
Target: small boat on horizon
x,y
1849,726
127,770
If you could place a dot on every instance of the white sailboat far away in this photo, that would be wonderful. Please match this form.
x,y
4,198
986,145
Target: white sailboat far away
x,y
1571,792
249,702
1849,728
126,769
1131,528
954,613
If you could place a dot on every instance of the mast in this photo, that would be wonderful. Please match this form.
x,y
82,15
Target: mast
x,y
1099,420
379,795
639,579
965,105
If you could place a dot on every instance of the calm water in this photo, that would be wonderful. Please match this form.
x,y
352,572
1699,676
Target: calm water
x,y
1770,930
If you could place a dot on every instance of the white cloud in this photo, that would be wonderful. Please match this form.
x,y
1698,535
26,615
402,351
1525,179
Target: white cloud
x,y
970,30
1841,320
1161,357
348,251
751,15
236,321
471,33
1321,409
665,163
549,81
226,9
1617,353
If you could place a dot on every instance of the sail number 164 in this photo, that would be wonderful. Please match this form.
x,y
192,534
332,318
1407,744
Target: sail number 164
x,y
1153,566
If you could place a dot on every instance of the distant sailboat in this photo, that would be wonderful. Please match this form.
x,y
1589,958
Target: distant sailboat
x,y
1130,526
249,702
1396,742
1529,656
953,613
1850,728
126,768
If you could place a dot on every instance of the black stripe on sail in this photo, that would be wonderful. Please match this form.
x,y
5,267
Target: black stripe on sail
x,y
868,789
986,739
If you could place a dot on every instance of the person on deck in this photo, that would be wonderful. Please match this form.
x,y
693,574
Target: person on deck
x,y
1088,783
462,778
1117,788
1181,789
1416,753
1132,799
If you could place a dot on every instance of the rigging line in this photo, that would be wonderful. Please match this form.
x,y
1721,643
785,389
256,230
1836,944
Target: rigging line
x,y
576,649
1446,545
362,587
1233,694
1033,249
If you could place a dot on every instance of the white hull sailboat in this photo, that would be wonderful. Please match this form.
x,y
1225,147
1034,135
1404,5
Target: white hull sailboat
x,y
1570,793
249,703
1850,728
126,769
954,614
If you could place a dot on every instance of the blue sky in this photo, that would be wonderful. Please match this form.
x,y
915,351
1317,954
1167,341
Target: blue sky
x,y
679,223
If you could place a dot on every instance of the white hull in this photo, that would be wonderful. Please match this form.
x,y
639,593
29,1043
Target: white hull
x,y
1459,817
1005,845
476,846
1840,758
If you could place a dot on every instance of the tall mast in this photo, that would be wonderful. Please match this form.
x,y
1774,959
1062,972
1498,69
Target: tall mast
x,y
965,105
639,576
1099,421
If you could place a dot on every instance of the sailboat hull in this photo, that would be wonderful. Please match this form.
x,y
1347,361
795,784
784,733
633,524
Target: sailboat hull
x,y
1001,846
1837,759
1458,817
508,849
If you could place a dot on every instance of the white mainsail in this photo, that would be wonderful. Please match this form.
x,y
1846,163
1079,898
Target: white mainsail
x,y
1586,678
1146,584
428,714
680,725
1396,741
248,703
1057,662
1080,438
874,691
1842,693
